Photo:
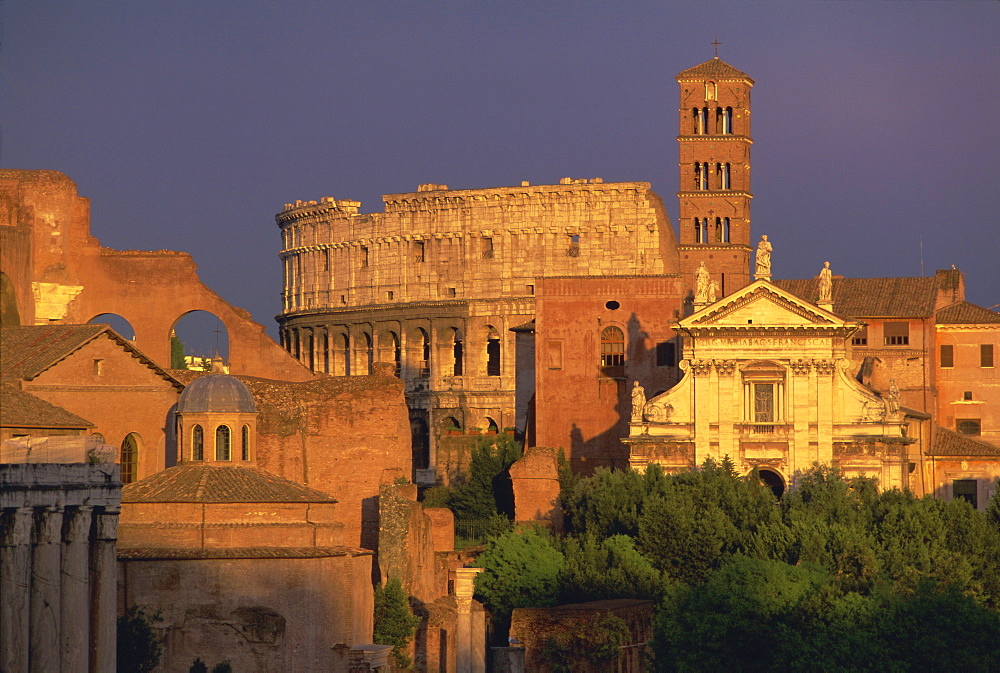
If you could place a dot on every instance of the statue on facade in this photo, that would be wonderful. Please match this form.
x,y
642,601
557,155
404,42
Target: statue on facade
x,y
638,401
763,259
892,398
826,284
702,285
713,291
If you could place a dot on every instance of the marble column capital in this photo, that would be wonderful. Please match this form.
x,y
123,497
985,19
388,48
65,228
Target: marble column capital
x,y
106,525
48,525
15,527
77,524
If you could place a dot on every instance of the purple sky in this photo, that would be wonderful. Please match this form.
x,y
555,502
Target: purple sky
x,y
189,123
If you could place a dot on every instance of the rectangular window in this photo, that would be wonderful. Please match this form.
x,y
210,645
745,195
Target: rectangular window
x,y
419,252
967,489
985,355
487,248
947,355
364,257
860,337
896,333
530,289
666,354
98,367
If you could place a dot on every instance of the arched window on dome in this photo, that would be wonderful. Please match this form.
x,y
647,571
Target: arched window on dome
x,y
197,443
245,442
223,443
129,460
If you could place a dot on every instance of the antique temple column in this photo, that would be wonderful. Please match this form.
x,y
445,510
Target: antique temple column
x,y
104,590
44,620
470,645
15,578
75,589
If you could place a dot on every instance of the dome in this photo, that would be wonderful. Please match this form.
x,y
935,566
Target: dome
x,y
216,393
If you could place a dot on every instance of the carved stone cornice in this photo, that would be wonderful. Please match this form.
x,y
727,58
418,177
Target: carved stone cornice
x,y
825,366
800,366
701,367
725,367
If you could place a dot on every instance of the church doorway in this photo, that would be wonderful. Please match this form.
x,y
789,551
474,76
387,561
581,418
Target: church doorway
x,y
772,480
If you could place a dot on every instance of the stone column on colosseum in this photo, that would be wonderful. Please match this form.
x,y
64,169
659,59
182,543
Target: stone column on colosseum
x,y
15,578
75,590
470,645
44,621
103,577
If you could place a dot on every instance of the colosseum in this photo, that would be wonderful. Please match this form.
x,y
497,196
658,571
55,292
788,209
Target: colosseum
x,y
435,284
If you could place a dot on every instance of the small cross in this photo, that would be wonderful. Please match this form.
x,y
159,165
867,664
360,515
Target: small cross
x,y
217,332
716,45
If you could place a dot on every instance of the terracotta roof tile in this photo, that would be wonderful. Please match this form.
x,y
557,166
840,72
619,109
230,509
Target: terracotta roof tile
x,y
872,297
190,482
950,443
714,68
964,313
27,351
24,410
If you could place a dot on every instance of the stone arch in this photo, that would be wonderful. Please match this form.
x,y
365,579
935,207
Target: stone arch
x,y
458,351
492,427
418,352
118,323
390,349
493,351
773,479
196,340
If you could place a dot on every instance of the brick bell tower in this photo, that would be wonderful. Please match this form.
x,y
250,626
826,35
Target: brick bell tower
x,y
714,195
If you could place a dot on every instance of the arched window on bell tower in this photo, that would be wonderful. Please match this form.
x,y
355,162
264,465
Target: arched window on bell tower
x,y
700,230
711,91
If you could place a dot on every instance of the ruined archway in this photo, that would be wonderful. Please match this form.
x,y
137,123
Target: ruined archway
x,y
195,338
117,322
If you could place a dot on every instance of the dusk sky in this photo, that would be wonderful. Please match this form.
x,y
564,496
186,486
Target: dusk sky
x,y
189,124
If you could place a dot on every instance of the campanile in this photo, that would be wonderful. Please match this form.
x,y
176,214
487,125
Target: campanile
x,y
714,194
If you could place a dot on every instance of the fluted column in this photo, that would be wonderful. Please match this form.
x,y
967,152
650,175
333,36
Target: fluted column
x,y
104,591
45,616
469,651
75,589
15,578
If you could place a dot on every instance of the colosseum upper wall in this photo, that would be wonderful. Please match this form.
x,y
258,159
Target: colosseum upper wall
x,y
440,244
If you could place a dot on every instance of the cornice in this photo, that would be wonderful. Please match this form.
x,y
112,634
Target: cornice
x,y
720,193
706,138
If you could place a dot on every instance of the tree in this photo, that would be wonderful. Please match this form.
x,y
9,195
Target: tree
x,y
395,622
521,570
610,568
486,489
139,648
176,353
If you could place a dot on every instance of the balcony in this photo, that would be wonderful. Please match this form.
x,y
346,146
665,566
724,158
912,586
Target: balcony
x,y
763,431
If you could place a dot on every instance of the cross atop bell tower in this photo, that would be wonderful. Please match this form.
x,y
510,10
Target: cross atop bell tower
x,y
714,194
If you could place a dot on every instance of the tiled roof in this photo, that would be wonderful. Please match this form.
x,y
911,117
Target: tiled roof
x,y
238,552
191,482
950,443
27,351
964,313
19,409
714,68
872,297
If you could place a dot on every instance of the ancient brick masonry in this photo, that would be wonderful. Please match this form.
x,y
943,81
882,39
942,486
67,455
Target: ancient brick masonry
x,y
433,285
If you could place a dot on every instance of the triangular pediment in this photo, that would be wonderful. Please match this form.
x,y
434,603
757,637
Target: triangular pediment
x,y
762,305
